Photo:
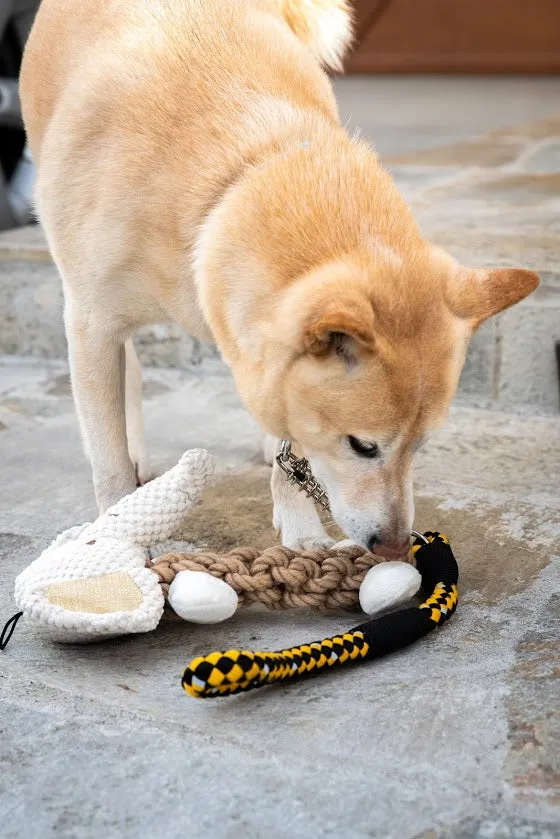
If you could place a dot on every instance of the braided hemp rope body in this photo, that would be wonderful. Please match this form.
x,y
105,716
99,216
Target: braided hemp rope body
x,y
278,577
225,673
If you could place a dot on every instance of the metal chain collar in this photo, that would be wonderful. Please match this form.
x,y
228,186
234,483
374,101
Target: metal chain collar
x,y
298,472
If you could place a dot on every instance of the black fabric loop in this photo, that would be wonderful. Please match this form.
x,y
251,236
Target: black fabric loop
x,y
8,630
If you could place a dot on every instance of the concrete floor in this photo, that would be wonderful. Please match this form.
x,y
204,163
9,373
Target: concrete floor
x,y
402,114
455,738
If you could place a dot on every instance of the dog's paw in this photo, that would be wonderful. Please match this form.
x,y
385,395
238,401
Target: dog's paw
x,y
300,527
347,543
144,472
300,532
307,543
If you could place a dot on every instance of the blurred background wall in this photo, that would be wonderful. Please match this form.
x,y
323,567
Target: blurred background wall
x,y
16,173
444,37
456,36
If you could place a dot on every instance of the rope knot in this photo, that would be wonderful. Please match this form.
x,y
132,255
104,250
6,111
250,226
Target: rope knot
x,y
280,578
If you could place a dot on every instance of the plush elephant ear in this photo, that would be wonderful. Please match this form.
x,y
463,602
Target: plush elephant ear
x,y
477,294
158,509
88,591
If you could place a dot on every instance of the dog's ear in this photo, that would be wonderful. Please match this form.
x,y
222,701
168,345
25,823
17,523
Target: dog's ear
x,y
328,311
343,326
476,294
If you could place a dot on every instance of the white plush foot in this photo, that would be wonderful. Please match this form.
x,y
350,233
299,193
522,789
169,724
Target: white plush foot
x,y
387,585
201,598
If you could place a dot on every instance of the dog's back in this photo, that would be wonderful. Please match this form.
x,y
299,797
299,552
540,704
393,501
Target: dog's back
x,y
89,47
139,112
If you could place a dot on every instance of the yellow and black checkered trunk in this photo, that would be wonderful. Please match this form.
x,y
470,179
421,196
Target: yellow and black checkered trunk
x,y
233,671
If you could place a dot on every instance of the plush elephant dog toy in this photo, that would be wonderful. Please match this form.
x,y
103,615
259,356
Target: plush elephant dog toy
x,y
97,580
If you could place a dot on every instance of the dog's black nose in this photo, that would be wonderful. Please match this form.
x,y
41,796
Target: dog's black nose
x,y
372,541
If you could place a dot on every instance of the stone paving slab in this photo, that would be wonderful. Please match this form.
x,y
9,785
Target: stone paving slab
x,y
409,114
24,243
457,737
495,149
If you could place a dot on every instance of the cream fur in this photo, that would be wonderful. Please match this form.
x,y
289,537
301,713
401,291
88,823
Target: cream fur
x,y
192,167
324,25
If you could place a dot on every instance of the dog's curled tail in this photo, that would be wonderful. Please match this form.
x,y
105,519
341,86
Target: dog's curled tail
x,y
325,26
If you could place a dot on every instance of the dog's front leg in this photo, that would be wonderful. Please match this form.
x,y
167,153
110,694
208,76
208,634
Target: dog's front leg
x,y
97,366
134,416
295,516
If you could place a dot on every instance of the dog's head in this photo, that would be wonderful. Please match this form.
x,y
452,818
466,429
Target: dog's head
x,y
376,349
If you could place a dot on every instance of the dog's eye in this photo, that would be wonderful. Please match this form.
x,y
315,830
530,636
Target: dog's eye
x,y
362,448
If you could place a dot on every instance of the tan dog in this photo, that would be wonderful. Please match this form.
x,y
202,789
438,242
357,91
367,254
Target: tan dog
x,y
191,167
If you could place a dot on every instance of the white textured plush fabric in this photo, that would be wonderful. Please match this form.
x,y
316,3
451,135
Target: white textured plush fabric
x,y
155,511
103,563
76,561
